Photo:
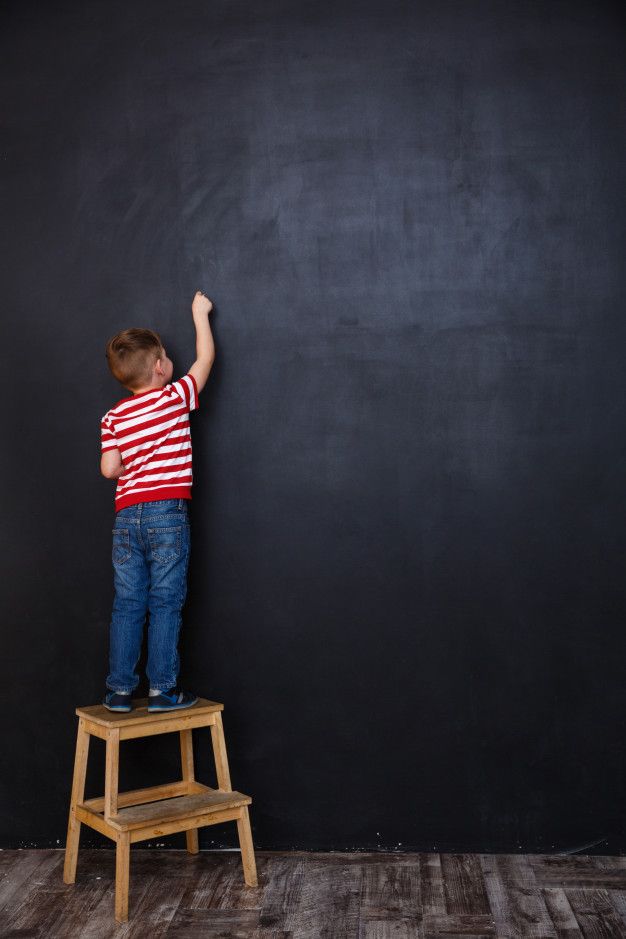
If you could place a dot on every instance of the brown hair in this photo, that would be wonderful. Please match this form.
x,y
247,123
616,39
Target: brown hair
x,y
131,355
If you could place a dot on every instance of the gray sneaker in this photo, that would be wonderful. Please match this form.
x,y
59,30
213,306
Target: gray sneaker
x,y
114,701
172,700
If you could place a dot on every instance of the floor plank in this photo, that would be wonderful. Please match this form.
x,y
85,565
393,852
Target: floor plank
x,y
229,924
515,898
464,885
596,915
21,871
432,887
329,899
560,912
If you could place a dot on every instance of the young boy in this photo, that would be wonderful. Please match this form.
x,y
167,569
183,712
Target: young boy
x,y
146,446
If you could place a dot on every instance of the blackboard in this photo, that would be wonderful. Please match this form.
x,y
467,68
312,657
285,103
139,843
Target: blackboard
x,y
407,577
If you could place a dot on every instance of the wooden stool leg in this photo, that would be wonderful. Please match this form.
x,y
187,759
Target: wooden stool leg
x,y
122,872
247,847
78,794
219,752
111,772
186,759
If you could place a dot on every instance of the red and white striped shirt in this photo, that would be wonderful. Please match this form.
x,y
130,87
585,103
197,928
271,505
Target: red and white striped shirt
x,y
151,431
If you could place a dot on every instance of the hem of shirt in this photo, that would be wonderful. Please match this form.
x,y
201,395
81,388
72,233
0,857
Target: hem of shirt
x,y
173,492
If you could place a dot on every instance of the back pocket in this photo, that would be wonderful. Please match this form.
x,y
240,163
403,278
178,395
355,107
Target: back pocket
x,y
165,543
121,545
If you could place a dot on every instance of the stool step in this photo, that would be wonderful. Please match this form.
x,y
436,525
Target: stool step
x,y
98,714
176,809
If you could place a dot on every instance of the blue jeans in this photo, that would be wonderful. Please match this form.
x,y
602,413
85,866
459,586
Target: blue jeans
x,y
150,559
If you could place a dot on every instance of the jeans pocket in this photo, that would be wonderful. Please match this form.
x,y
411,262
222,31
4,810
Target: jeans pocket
x,y
121,545
165,543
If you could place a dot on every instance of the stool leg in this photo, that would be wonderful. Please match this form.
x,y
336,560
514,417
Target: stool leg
x,y
247,847
219,752
122,871
186,759
111,772
78,794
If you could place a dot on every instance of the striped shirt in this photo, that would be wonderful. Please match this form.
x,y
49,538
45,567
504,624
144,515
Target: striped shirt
x,y
151,431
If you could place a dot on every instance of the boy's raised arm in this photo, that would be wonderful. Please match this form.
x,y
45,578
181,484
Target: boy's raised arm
x,y
205,348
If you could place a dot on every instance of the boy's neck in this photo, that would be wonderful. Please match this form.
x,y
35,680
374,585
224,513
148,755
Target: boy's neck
x,y
152,387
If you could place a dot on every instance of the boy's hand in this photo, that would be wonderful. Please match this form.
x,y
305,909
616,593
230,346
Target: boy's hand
x,y
201,305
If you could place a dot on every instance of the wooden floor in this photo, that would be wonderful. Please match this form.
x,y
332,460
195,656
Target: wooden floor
x,y
312,895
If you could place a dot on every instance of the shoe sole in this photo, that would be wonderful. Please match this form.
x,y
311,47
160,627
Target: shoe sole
x,y
122,708
171,707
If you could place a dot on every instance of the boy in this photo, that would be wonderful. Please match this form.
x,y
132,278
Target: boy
x,y
146,446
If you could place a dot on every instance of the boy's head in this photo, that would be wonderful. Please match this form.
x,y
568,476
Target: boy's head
x,y
138,360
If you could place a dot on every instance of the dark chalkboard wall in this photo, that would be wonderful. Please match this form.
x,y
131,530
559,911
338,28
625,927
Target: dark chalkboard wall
x,y
407,583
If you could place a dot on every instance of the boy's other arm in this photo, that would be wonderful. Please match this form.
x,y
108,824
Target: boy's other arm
x,y
205,347
111,464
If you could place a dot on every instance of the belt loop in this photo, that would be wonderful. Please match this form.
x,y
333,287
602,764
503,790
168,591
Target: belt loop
x,y
180,505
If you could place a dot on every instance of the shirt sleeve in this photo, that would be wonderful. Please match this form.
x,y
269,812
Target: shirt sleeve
x,y
108,439
187,389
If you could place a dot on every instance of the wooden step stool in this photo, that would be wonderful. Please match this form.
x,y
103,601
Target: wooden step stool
x,y
187,805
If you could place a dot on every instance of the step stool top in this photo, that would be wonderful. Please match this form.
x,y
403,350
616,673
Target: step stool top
x,y
98,714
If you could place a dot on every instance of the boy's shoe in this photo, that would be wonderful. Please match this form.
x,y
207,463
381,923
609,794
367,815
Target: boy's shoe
x,y
115,701
172,700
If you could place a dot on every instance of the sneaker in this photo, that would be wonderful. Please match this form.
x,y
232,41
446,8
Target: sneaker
x,y
115,701
172,700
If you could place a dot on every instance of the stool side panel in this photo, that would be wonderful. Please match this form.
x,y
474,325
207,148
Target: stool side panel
x,y
96,730
189,722
97,822
185,824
